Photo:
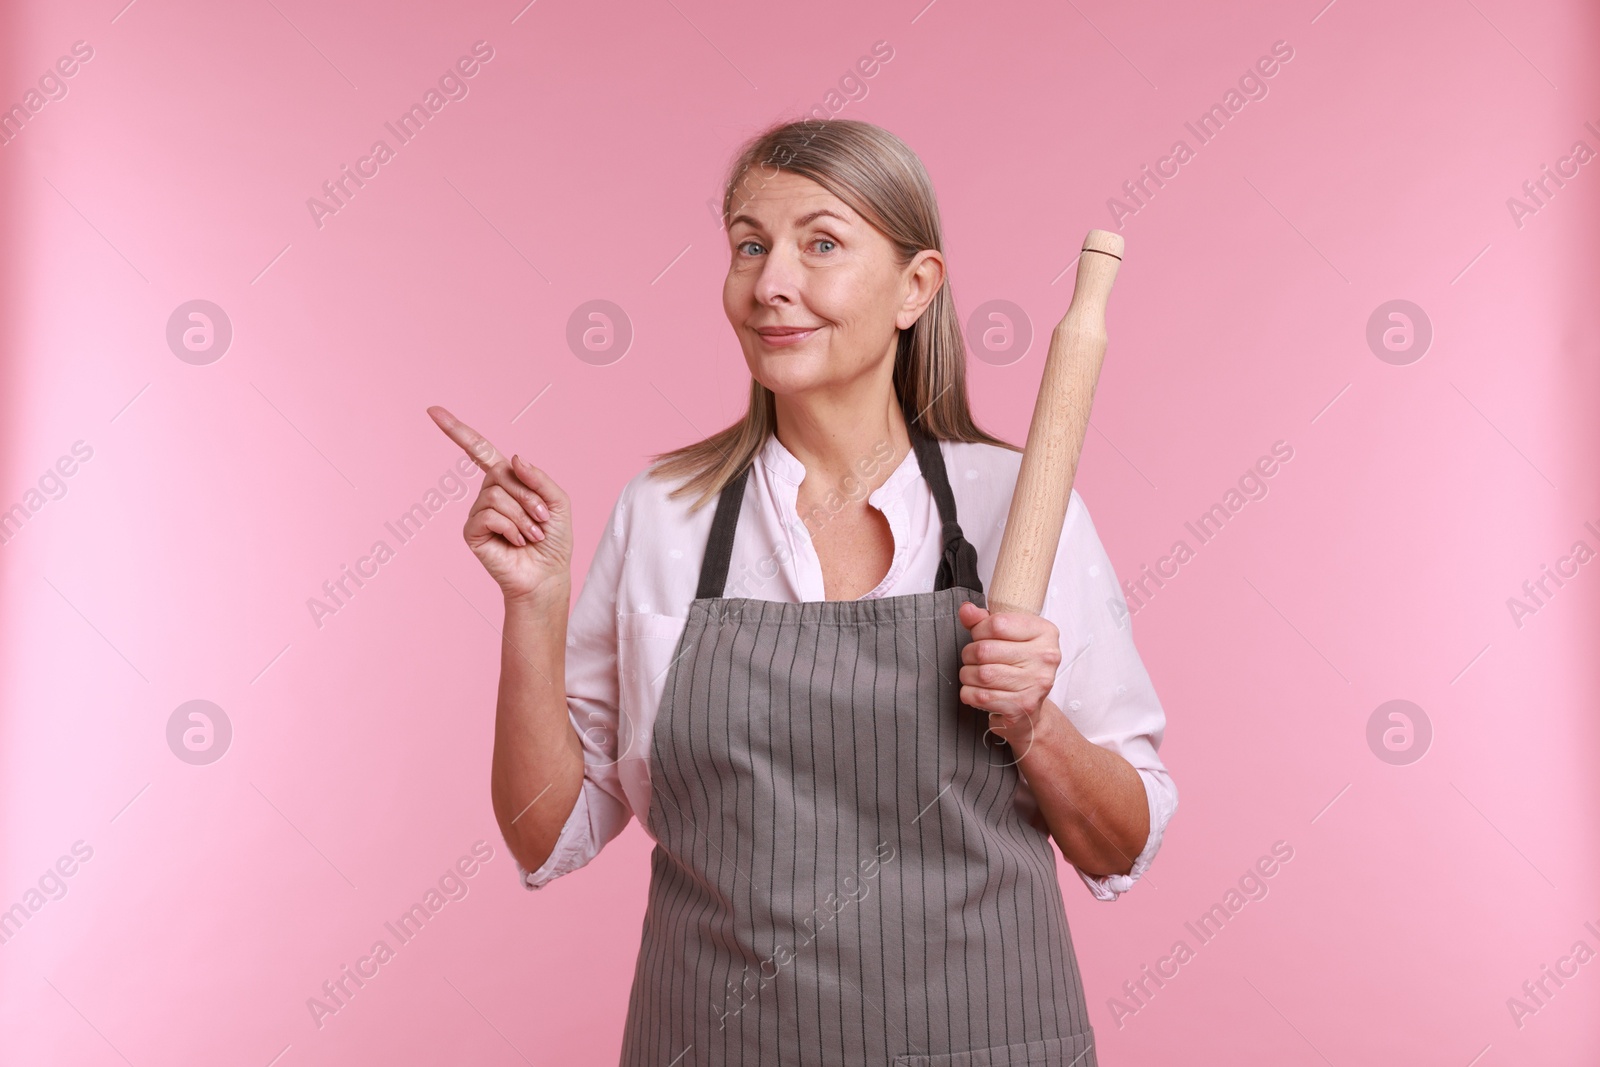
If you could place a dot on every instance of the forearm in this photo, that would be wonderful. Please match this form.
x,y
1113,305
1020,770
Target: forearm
x,y
537,769
1091,798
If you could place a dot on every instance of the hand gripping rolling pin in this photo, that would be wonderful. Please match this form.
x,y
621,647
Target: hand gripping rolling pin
x,y
1055,438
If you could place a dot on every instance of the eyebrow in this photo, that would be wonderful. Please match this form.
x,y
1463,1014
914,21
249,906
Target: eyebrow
x,y
802,221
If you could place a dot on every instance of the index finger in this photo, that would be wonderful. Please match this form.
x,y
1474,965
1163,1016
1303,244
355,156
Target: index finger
x,y
482,451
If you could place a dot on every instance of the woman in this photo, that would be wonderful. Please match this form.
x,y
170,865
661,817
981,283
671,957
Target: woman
x,y
851,769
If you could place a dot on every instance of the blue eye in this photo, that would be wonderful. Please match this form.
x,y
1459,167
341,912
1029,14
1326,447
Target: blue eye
x,y
743,245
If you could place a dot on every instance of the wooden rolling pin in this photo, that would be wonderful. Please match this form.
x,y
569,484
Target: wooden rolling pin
x,y
1055,437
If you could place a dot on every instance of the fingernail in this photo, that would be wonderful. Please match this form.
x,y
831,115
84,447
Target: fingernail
x,y
542,511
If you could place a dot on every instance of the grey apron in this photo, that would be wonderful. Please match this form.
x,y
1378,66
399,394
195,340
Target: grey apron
x,y
841,875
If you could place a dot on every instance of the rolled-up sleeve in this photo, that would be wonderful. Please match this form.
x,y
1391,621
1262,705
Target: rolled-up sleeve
x,y
1102,685
601,810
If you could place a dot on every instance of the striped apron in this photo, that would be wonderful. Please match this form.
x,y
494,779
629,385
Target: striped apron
x,y
841,875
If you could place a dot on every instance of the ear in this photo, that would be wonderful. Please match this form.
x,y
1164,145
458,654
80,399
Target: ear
x,y
924,276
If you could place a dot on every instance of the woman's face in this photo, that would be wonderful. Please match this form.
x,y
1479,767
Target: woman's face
x,y
813,291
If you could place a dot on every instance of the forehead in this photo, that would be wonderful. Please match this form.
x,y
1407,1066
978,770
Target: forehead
x,y
773,199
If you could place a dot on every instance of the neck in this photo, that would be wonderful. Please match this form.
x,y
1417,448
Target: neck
x,y
842,436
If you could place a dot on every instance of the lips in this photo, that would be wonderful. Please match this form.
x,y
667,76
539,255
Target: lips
x,y
783,336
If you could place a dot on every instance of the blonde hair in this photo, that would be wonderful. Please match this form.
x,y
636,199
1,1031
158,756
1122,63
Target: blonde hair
x,y
883,181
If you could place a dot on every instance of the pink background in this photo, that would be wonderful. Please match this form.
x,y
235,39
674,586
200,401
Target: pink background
x,y
218,498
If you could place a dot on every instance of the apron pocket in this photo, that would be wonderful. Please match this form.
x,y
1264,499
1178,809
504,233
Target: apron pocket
x,y
1070,1051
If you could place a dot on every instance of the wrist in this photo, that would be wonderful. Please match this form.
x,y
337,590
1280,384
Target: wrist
x,y
547,598
1050,731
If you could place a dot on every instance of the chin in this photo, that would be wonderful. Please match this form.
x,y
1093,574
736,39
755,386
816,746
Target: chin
x,y
788,380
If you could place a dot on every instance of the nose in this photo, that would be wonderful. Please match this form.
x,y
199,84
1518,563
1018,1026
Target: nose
x,y
779,279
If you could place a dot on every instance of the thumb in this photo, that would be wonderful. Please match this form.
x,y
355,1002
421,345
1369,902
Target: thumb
x,y
971,614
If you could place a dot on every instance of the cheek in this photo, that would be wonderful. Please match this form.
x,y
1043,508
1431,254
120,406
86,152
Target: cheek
x,y
735,295
848,323
863,302
841,296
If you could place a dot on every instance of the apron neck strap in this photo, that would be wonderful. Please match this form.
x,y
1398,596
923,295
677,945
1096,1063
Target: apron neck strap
x,y
958,565
719,548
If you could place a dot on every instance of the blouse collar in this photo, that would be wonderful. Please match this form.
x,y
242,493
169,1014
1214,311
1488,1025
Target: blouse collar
x,y
781,462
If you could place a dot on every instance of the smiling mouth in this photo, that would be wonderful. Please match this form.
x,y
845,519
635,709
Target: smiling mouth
x,y
787,336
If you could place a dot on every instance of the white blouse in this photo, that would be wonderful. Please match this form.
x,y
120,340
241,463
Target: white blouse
x,y
624,628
